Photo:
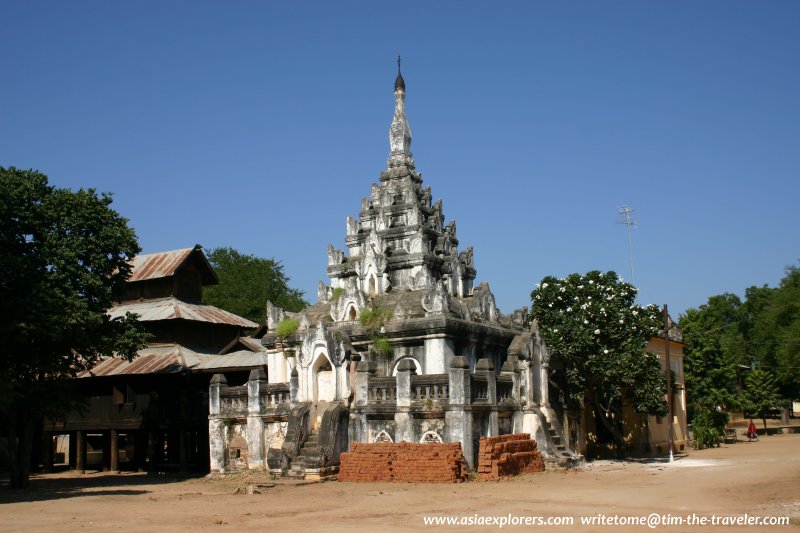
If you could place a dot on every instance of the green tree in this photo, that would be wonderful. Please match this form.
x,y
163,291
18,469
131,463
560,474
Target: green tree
x,y
598,335
775,332
247,282
64,258
716,351
761,394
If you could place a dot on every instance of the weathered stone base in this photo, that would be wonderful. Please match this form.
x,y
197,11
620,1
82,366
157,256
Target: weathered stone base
x,y
508,455
404,462
321,474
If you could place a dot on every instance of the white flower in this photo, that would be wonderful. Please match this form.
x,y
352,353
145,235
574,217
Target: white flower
x,y
549,305
544,285
605,351
585,321
569,309
602,309
580,286
555,330
590,298
635,313
591,282
621,321
597,332
563,289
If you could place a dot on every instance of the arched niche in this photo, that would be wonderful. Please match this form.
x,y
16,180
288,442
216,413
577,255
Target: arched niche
x,y
323,377
417,366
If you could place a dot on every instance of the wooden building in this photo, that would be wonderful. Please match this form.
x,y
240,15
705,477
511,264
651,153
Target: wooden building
x,y
152,413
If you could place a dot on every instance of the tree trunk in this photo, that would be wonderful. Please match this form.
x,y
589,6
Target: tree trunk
x,y
20,446
785,409
608,423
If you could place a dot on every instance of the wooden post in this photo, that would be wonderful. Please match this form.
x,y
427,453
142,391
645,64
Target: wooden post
x,y
80,455
47,452
114,451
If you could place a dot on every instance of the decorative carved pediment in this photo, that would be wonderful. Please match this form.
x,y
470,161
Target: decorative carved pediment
x,y
483,304
423,279
539,349
335,257
323,293
352,226
274,315
352,297
436,301
304,323
466,258
451,229
418,242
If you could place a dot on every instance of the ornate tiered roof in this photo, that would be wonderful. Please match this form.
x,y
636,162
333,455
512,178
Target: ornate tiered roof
x,y
400,241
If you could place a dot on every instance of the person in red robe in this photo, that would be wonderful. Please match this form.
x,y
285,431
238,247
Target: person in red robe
x,y
751,430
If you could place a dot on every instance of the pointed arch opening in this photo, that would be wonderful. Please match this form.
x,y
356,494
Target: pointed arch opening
x,y
323,378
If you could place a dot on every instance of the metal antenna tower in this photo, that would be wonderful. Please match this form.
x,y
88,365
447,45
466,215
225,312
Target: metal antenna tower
x,y
630,222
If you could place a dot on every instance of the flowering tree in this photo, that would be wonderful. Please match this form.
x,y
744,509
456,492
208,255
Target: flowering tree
x,y
597,335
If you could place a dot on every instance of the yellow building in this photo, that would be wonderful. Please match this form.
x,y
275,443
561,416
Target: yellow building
x,y
646,435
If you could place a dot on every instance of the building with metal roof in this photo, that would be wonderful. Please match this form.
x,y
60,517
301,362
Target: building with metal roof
x,y
151,412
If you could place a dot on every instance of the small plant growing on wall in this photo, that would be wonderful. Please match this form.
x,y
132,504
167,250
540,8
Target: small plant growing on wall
x,y
337,293
287,327
374,319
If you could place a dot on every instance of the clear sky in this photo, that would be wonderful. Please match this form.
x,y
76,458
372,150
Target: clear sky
x,y
260,125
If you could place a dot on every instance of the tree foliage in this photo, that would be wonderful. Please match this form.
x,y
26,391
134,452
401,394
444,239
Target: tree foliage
x,y
598,335
714,355
775,333
761,393
64,258
726,337
247,282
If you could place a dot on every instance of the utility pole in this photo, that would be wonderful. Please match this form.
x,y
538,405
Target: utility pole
x,y
629,222
669,381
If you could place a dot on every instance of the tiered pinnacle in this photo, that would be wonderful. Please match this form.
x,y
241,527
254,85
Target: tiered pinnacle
x,y
400,242
400,131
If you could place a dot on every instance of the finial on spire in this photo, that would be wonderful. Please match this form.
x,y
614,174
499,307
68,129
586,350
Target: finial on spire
x,y
399,82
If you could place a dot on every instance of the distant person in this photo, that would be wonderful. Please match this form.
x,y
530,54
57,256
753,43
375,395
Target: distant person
x,y
751,431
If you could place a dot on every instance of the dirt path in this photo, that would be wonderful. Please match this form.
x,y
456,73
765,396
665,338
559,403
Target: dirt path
x,y
761,479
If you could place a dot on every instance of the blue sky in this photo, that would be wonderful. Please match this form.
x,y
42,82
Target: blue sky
x,y
260,125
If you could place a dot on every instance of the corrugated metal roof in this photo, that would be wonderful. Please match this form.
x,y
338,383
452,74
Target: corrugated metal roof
x,y
159,265
251,343
173,308
166,264
172,359
161,359
238,359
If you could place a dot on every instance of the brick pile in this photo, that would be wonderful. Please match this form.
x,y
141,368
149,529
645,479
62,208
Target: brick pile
x,y
508,455
403,462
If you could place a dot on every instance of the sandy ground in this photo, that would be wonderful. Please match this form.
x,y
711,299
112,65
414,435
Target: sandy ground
x,y
760,478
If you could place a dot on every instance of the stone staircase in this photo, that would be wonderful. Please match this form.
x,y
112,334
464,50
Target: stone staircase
x,y
307,458
564,457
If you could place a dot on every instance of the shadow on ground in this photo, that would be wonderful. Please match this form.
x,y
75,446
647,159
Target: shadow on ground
x,y
47,487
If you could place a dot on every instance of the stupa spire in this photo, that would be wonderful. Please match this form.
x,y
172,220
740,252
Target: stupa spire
x,y
400,131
